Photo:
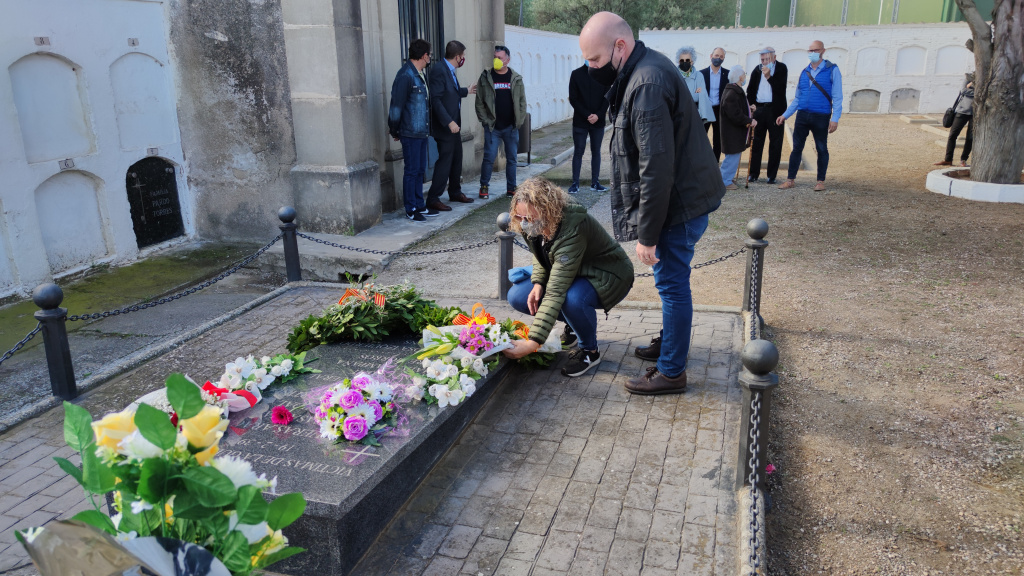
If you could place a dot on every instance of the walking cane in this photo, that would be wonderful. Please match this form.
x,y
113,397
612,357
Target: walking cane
x,y
750,154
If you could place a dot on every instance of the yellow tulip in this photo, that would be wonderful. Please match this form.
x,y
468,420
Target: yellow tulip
x,y
113,428
169,511
445,348
206,455
204,429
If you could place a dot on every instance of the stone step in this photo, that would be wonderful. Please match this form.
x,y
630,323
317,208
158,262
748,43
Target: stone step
x,y
921,119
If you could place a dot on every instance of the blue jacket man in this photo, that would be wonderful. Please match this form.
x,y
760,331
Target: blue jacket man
x,y
409,122
445,125
818,105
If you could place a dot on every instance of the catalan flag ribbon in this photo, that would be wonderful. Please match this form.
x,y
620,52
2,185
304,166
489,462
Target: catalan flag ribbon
x,y
520,329
479,317
378,298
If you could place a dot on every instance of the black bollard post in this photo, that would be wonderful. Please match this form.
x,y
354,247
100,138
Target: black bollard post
x,y
757,229
55,339
504,254
759,357
291,243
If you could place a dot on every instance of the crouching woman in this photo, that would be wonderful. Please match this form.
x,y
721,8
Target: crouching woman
x,y
577,268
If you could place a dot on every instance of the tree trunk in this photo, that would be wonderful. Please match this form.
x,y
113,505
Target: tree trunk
x,y
998,91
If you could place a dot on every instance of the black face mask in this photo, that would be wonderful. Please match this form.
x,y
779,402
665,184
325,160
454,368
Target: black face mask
x,y
605,75
717,61
685,66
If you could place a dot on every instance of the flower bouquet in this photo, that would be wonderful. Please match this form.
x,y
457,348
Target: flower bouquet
x,y
168,482
479,336
449,381
356,409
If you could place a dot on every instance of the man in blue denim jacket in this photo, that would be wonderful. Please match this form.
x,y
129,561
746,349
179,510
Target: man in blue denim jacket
x,y
409,121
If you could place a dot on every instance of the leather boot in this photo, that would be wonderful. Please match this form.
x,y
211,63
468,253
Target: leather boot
x,y
649,353
654,383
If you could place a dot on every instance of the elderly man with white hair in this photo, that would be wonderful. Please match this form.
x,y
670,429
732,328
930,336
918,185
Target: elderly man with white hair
x,y
766,93
687,58
736,125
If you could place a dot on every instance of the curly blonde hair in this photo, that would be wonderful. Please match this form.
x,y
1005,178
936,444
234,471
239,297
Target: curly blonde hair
x,y
545,197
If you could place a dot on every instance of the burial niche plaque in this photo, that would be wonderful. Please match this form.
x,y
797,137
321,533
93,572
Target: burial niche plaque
x,y
153,197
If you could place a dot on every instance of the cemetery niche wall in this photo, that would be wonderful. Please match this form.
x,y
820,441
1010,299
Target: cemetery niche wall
x,y
153,197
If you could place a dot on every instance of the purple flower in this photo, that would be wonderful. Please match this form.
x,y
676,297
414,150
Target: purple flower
x,y
354,429
361,380
350,399
378,412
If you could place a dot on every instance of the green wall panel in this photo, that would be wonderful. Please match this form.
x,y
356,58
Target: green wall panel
x,y
864,12
753,13
778,13
819,12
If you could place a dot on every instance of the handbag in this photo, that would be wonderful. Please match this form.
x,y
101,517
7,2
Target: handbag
x,y
947,118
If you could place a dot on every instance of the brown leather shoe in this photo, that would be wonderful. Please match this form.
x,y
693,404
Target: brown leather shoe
x,y
787,185
654,383
438,205
460,197
820,186
943,163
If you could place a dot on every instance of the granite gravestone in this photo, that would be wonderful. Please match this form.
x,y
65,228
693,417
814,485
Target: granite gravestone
x,y
153,200
352,490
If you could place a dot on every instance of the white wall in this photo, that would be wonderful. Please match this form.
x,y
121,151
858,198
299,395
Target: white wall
x,y
90,96
929,58
545,60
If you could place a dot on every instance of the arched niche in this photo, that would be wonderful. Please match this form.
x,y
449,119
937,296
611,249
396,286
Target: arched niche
x,y
865,100
70,223
731,59
904,101
795,60
142,101
838,56
153,198
953,60
871,61
753,61
49,97
910,61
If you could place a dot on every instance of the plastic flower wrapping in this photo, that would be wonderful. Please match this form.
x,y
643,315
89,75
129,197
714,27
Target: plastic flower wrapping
x,y
356,409
168,481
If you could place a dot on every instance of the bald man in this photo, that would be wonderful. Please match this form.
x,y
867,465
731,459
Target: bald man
x,y
665,181
818,105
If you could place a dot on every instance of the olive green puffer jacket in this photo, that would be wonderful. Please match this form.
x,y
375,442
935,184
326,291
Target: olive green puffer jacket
x,y
581,248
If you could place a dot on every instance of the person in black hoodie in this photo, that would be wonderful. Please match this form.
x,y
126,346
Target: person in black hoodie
x,y
590,107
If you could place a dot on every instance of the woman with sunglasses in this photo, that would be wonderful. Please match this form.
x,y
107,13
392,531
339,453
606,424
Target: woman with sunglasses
x,y
577,268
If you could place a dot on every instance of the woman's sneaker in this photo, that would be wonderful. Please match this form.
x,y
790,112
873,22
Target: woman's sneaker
x,y
568,336
580,362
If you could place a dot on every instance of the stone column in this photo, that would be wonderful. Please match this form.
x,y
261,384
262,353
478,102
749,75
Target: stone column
x,y
336,179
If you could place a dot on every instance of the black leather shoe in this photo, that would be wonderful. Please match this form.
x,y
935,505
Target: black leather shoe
x,y
649,353
753,178
460,198
436,204
771,180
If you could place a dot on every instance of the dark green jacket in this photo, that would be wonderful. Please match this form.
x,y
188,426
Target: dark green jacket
x,y
581,248
485,112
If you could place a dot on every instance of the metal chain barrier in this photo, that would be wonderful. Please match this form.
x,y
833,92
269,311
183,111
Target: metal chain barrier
x,y
753,478
703,264
395,252
21,344
192,290
755,314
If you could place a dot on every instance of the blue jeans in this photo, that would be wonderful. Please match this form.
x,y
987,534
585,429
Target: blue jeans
x,y
730,164
579,143
672,279
510,136
816,124
414,152
579,310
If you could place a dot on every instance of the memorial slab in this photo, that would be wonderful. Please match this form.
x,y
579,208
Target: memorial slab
x,y
352,490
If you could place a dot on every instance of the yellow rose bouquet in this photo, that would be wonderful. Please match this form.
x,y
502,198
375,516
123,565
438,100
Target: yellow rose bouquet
x,y
167,481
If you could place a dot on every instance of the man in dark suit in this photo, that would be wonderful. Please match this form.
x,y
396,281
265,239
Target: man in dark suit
x,y
445,124
716,78
766,93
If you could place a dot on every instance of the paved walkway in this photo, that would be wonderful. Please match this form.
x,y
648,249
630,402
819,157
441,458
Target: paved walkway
x,y
555,475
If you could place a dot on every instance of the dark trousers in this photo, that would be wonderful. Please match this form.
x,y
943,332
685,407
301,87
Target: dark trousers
x,y
579,141
716,136
810,123
414,151
448,168
766,128
959,121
